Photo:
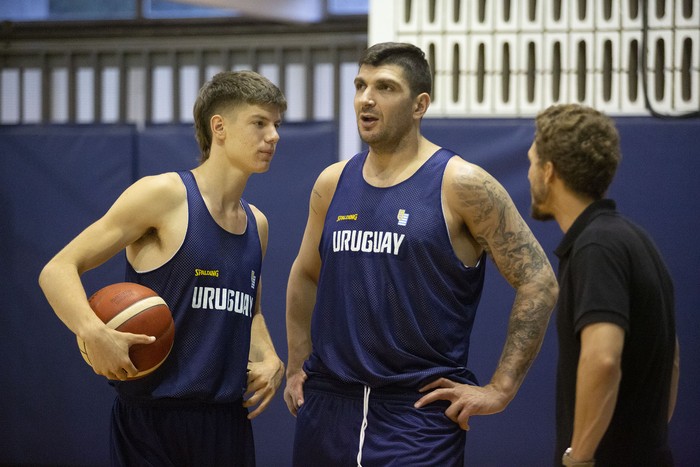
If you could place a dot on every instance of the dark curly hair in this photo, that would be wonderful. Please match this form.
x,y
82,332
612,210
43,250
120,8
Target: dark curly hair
x,y
582,144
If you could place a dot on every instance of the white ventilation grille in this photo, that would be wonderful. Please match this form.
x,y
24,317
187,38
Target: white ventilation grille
x,y
515,57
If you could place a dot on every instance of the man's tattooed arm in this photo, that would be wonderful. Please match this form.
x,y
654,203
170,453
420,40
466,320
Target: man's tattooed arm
x,y
494,222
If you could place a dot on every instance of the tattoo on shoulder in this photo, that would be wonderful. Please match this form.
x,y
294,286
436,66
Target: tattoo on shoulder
x,y
315,196
498,227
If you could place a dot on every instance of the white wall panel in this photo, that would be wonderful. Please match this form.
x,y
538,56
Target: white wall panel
x,y
454,79
582,15
556,65
507,15
631,85
660,14
606,74
686,75
581,66
480,16
659,70
607,15
557,17
531,97
456,18
480,75
687,14
505,73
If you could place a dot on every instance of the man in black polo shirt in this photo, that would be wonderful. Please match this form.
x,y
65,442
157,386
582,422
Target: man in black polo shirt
x,y
617,374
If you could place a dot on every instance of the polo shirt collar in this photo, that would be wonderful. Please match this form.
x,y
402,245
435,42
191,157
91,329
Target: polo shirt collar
x,y
591,212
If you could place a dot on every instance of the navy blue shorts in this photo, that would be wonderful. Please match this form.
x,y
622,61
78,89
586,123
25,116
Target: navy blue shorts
x,y
329,423
176,433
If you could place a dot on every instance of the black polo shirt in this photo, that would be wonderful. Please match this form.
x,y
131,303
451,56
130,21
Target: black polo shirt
x,y
611,271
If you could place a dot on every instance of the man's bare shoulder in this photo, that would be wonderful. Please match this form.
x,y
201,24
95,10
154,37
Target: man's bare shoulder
x,y
473,192
324,188
163,189
331,174
459,168
164,181
328,179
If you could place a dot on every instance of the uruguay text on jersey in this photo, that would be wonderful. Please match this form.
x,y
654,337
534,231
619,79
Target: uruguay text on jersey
x,y
219,298
367,241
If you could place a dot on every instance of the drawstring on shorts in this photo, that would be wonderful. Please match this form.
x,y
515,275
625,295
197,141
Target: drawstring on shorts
x,y
365,409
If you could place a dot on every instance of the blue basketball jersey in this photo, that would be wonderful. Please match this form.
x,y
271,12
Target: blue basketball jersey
x,y
395,306
210,285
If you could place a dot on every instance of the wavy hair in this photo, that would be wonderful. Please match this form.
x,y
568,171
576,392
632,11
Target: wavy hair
x,y
582,144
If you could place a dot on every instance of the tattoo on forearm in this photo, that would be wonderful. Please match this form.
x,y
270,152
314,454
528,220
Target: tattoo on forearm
x,y
499,228
526,329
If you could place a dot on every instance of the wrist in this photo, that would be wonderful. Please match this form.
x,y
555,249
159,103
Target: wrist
x,y
569,461
291,371
503,393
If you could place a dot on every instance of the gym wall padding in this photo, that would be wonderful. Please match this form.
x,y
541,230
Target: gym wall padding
x,y
656,186
55,180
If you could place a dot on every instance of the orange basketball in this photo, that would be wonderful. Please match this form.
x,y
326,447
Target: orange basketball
x,y
130,307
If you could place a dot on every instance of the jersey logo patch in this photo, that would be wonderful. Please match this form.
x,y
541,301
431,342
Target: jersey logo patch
x,y
402,216
347,217
205,272
252,279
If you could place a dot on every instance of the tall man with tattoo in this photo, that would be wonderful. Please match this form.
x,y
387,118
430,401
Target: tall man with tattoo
x,y
382,296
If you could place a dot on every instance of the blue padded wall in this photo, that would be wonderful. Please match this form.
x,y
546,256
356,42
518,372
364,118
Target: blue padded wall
x,y
55,180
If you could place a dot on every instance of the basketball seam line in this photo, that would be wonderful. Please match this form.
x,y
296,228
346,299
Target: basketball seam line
x,y
133,310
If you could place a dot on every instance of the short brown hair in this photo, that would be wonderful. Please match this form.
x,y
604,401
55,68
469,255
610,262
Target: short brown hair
x,y
582,144
228,89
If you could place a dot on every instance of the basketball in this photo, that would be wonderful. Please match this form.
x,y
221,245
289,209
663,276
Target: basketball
x,y
130,307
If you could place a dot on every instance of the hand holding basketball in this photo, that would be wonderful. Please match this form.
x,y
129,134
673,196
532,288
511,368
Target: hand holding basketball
x,y
135,311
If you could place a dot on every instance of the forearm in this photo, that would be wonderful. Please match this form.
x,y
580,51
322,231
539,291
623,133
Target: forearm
x,y
301,297
261,346
675,377
64,291
527,327
597,386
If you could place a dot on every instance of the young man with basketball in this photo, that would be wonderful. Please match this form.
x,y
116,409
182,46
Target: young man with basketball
x,y
191,410
382,295
617,375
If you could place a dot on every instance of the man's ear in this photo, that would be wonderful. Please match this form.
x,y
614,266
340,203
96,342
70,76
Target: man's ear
x,y
549,172
421,104
217,126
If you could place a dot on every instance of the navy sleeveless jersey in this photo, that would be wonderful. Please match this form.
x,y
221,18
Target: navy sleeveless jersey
x,y
210,285
395,306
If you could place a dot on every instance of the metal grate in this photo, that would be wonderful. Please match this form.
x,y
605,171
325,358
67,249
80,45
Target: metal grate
x,y
151,78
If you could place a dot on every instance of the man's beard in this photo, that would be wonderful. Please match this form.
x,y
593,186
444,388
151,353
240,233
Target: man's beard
x,y
539,215
536,211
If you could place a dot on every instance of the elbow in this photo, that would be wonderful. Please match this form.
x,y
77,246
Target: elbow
x,y
44,275
552,283
550,290
552,287
606,366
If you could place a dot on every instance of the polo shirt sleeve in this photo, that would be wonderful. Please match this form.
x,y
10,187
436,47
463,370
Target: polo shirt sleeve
x,y
601,291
